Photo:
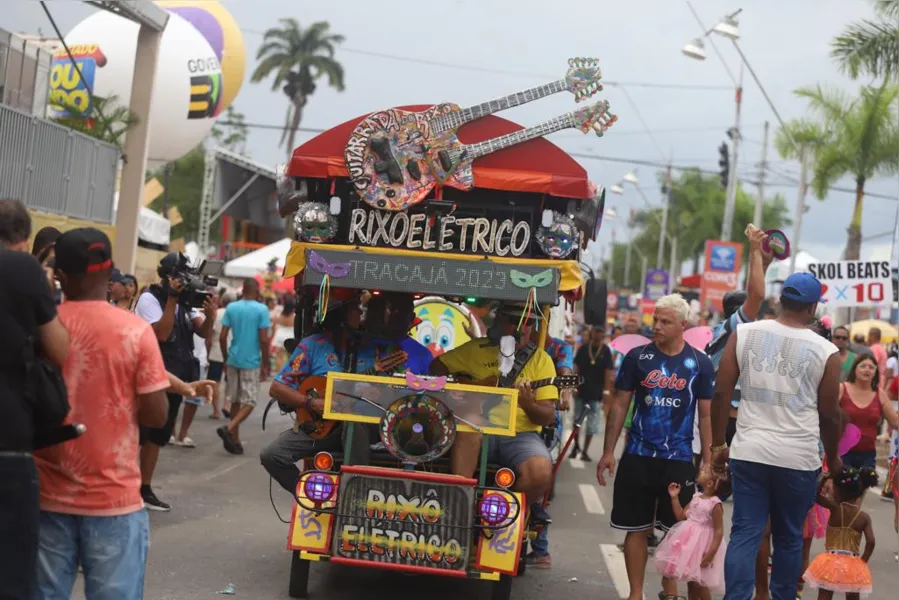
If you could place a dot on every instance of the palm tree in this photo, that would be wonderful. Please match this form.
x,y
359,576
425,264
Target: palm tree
x,y
871,47
108,120
298,57
858,137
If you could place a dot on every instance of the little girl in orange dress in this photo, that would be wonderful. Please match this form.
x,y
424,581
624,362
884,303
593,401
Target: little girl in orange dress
x,y
840,568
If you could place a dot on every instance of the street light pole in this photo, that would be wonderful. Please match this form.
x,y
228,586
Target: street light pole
x,y
800,206
727,226
760,201
664,224
611,276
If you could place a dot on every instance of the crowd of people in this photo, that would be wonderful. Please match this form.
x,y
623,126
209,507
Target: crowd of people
x,y
756,415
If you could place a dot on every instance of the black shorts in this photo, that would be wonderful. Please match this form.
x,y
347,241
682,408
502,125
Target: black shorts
x,y
215,371
160,436
640,499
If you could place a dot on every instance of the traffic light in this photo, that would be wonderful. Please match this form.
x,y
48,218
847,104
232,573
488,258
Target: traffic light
x,y
724,163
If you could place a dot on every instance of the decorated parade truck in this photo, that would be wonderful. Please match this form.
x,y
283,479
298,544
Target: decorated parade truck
x,y
438,202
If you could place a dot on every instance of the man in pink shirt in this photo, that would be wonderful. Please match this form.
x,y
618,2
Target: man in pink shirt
x,y
92,513
878,351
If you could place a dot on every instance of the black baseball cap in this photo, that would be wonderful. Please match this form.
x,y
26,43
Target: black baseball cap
x,y
115,276
82,251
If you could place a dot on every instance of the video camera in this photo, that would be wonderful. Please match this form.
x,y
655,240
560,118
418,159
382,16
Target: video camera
x,y
196,280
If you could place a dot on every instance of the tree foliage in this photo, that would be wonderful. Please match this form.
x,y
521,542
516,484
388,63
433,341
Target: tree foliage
x,y
870,47
297,58
857,136
107,120
695,215
230,132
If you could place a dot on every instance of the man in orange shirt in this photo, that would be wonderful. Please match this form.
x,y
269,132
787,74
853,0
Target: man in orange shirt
x,y
92,513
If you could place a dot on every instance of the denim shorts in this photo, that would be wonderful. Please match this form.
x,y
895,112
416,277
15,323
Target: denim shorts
x,y
512,451
112,551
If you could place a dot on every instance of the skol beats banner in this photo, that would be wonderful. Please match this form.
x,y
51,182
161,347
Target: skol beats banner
x,y
721,273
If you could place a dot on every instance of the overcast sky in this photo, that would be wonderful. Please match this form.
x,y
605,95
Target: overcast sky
x,y
527,42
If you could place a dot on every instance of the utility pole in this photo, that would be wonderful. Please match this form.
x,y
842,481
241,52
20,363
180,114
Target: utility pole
x,y
727,226
611,276
627,256
760,201
800,206
645,262
664,225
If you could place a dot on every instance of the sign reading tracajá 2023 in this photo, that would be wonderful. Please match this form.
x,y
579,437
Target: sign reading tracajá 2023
x,y
849,283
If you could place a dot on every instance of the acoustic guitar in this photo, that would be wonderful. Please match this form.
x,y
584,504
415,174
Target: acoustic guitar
x,y
312,424
395,157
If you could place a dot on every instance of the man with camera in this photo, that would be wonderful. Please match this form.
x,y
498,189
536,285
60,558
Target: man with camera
x,y
171,309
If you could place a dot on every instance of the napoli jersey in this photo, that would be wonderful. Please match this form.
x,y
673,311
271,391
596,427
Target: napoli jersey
x,y
666,394
561,353
316,355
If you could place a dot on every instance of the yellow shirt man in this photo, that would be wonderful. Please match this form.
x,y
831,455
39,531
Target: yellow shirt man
x,y
480,360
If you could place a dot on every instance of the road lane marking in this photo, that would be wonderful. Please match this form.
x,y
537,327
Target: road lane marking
x,y
591,499
614,559
576,464
226,469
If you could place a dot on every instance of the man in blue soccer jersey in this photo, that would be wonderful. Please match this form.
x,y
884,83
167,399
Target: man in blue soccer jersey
x,y
667,379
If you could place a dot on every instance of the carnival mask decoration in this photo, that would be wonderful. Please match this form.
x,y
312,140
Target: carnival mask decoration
x,y
423,384
314,223
558,236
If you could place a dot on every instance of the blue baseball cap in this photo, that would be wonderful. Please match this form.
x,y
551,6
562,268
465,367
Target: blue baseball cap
x,y
802,287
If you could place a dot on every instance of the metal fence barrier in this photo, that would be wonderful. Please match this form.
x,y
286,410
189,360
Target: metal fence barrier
x,y
54,169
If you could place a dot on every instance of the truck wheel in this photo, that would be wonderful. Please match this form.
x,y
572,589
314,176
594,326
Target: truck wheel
x,y
502,589
299,576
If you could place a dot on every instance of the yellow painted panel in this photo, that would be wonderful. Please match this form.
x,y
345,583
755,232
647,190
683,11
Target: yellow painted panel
x,y
310,531
501,553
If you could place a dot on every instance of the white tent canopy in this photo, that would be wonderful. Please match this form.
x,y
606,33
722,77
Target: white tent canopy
x,y
151,226
780,269
257,261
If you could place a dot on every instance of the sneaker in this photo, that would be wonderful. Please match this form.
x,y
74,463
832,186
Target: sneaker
x,y
186,443
227,440
539,515
539,561
574,453
238,448
152,502
585,457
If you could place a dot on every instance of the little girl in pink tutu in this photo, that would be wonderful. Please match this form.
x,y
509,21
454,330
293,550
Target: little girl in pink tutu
x,y
693,551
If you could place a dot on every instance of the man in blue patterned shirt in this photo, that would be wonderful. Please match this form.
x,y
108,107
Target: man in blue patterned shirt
x,y
667,380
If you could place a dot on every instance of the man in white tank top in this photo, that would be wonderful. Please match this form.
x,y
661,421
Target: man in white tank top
x,y
789,376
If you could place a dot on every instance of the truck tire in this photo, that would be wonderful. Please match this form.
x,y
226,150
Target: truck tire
x,y
299,576
502,589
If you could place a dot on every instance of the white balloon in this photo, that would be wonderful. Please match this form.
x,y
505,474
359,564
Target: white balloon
x,y
188,88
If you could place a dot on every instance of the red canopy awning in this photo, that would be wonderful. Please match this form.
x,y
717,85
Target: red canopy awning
x,y
537,166
691,281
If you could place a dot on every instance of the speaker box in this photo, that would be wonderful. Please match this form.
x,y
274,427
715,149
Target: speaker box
x,y
595,302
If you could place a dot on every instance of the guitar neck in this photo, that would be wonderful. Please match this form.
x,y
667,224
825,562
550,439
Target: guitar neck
x,y
542,383
466,115
473,151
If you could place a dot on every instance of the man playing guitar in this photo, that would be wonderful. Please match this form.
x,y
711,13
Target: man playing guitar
x,y
337,347
526,453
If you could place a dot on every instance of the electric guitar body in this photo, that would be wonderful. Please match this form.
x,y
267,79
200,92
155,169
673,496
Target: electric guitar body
x,y
395,157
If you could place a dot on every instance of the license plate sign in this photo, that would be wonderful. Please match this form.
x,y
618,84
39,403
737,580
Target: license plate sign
x,y
404,522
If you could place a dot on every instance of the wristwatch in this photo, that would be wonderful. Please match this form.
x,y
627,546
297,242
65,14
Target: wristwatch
x,y
719,448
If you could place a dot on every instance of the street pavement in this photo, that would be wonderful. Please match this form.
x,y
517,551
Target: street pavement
x,y
222,530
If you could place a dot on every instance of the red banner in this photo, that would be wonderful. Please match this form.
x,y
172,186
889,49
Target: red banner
x,y
721,272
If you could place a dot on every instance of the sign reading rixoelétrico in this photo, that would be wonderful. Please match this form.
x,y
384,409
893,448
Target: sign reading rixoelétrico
x,y
854,282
